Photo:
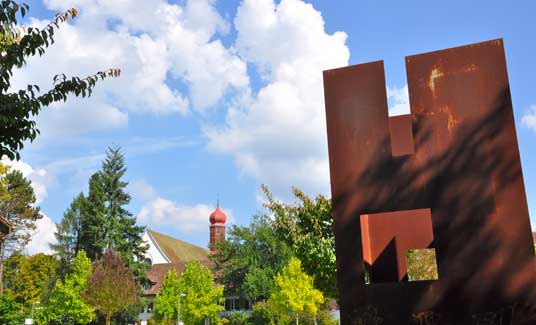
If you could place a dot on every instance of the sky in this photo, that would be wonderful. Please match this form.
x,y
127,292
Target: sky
x,y
218,97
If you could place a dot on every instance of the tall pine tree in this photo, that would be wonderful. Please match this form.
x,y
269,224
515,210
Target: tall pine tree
x,y
106,222
18,207
68,232
20,210
93,236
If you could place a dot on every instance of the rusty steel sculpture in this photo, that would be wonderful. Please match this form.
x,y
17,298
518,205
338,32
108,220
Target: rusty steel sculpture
x,y
447,176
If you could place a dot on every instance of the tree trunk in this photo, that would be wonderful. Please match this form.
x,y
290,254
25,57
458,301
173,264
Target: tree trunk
x,y
2,266
297,322
108,317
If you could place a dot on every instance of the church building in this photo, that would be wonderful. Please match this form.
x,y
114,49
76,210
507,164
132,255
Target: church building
x,y
166,253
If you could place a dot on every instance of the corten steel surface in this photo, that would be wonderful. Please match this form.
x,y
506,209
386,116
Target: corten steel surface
x,y
456,155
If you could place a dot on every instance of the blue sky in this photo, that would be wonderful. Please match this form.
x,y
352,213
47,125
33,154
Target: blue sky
x,y
218,97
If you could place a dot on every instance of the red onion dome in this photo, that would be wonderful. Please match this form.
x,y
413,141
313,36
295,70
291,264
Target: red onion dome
x,y
217,216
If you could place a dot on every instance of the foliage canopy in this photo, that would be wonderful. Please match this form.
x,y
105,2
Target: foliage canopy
x,y
202,297
26,279
18,107
247,261
307,227
65,304
295,291
111,286
11,312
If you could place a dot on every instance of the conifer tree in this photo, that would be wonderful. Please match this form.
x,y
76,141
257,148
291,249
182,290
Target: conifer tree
x,y
124,236
20,210
68,232
18,207
93,219
106,222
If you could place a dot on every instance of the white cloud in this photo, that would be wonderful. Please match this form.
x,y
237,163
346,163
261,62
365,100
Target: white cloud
x,y
529,119
42,237
161,212
185,218
152,42
141,190
277,134
73,173
398,100
79,116
144,145
39,177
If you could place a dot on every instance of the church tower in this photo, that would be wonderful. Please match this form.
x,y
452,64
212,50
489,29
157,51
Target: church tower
x,y
217,227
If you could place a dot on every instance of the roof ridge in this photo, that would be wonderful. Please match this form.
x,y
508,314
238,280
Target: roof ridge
x,y
178,250
176,239
158,247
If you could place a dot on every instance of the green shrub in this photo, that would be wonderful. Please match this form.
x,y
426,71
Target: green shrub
x,y
323,317
11,312
264,313
239,318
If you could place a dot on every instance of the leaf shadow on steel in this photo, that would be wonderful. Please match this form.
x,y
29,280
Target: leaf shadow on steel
x,y
464,167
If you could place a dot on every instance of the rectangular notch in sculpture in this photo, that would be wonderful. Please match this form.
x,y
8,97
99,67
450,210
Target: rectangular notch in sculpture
x,y
401,131
386,237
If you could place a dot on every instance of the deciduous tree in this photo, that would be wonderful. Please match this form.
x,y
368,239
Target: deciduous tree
x,y
295,291
202,296
65,304
307,227
111,286
19,106
11,312
27,278
166,301
247,261
4,194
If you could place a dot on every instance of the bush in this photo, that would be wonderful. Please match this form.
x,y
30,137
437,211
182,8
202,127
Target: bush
x,y
11,312
239,318
323,317
265,313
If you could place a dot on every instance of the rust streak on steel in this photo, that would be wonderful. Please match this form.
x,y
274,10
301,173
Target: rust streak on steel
x,y
456,156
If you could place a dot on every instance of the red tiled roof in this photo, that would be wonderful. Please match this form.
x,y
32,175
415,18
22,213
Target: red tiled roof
x,y
179,253
158,272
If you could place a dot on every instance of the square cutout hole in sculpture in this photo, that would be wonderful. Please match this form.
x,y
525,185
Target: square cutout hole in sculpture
x,y
422,264
386,239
